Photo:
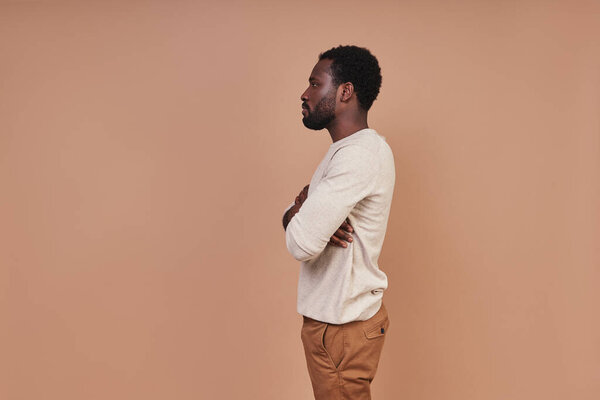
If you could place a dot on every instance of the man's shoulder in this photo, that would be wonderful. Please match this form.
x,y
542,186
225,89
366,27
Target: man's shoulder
x,y
368,143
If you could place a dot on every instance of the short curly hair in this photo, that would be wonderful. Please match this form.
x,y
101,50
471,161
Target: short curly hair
x,y
358,66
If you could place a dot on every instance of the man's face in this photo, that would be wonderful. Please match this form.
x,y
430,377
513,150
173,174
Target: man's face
x,y
318,101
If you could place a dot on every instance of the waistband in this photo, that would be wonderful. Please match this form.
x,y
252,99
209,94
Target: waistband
x,y
379,315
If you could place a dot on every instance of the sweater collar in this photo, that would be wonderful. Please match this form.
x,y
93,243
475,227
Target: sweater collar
x,y
348,138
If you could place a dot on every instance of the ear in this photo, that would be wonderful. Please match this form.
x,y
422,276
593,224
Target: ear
x,y
347,89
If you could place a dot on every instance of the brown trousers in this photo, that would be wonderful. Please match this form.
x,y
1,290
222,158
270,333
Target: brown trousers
x,y
342,359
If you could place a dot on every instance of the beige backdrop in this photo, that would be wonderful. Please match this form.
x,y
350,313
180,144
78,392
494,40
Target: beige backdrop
x,y
148,149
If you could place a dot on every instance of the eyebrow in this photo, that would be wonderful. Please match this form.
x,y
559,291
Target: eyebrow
x,y
312,78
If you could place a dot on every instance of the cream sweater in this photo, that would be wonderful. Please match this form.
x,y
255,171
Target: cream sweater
x,y
355,179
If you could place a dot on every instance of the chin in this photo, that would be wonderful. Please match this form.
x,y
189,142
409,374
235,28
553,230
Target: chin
x,y
312,127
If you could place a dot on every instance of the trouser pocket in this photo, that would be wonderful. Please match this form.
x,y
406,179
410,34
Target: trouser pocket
x,y
333,343
377,329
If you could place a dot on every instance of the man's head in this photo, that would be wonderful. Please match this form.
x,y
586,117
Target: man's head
x,y
346,80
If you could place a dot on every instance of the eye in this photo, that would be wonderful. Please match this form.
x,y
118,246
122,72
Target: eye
x,y
314,85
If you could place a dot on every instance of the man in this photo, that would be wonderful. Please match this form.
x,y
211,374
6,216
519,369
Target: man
x,y
336,227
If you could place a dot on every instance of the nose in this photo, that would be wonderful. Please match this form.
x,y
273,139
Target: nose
x,y
304,97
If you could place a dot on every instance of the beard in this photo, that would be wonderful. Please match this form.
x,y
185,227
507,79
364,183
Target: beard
x,y
323,114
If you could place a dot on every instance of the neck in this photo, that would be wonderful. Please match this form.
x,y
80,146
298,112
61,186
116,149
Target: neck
x,y
342,128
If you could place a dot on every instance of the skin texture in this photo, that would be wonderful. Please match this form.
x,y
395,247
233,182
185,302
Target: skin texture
x,y
322,114
335,108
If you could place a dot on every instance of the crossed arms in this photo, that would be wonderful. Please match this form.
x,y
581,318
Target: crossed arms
x,y
313,222
340,236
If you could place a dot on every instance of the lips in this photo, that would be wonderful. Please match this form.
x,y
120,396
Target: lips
x,y
304,109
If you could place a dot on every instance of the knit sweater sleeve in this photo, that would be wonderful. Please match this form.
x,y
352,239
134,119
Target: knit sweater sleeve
x,y
349,178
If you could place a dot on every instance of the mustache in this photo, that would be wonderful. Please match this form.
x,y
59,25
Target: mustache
x,y
304,105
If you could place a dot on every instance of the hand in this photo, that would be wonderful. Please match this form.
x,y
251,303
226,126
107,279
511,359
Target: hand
x,y
287,217
342,235
302,196
298,202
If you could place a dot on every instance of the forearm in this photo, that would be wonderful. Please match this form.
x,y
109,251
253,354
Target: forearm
x,y
310,230
300,245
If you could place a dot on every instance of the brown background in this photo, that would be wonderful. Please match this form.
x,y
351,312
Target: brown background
x,y
148,149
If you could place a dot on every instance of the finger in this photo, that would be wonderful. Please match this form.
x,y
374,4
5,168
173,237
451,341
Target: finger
x,y
337,242
342,235
347,227
334,242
